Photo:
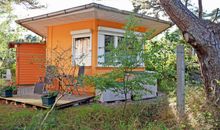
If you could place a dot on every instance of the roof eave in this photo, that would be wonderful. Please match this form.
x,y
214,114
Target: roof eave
x,y
92,5
34,31
79,8
156,34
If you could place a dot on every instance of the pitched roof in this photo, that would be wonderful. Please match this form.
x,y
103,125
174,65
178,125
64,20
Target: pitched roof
x,y
39,24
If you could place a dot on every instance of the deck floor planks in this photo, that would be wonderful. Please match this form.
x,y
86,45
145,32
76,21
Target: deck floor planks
x,y
26,96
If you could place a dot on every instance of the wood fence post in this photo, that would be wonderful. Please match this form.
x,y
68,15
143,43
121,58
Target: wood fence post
x,y
180,81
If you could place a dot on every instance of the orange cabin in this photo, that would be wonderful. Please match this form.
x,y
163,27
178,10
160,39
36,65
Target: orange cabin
x,y
82,29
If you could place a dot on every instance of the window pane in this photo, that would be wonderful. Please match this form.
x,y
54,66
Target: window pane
x,y
120,39
109,41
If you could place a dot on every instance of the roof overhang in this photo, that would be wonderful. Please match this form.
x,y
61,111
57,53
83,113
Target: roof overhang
x,y
39,24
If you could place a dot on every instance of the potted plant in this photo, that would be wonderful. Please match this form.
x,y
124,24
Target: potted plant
x,y
15,90
49,98
7,91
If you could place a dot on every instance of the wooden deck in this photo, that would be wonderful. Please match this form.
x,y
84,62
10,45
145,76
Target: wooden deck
x,y
27,98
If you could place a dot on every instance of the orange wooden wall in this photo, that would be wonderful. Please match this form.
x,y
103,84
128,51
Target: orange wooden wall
x,y
59,36
30,59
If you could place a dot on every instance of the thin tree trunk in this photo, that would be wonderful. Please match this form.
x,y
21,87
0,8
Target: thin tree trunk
x,y
125,92
200,8
51,109
186,3
204,37
216,15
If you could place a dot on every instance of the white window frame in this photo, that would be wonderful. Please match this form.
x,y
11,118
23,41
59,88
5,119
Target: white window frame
x,y
113,32
102,31
81,34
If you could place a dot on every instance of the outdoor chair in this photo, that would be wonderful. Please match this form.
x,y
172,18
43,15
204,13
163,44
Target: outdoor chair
x,y
76,79
81,71
39,87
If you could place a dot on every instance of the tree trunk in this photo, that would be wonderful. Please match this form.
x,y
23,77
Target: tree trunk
x,y
204,37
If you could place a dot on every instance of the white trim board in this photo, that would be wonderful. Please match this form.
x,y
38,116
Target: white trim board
x,y
113,31
81,33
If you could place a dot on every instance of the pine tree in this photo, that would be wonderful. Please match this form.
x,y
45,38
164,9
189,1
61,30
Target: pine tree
x,y
202,34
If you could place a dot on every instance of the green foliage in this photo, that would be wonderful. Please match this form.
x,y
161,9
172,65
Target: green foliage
x,y
8,88
161,57
52,94
7,34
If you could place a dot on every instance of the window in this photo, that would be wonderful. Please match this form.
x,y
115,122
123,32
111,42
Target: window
x,y
82,51
106,43
81,47
107,38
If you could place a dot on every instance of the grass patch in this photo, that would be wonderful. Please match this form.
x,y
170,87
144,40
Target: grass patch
x,y
138,115
14,118
142,115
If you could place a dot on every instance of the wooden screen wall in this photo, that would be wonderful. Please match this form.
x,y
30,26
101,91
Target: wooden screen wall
x,y
30,60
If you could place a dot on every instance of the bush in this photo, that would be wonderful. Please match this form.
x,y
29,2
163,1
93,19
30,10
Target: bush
x,y
161,57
